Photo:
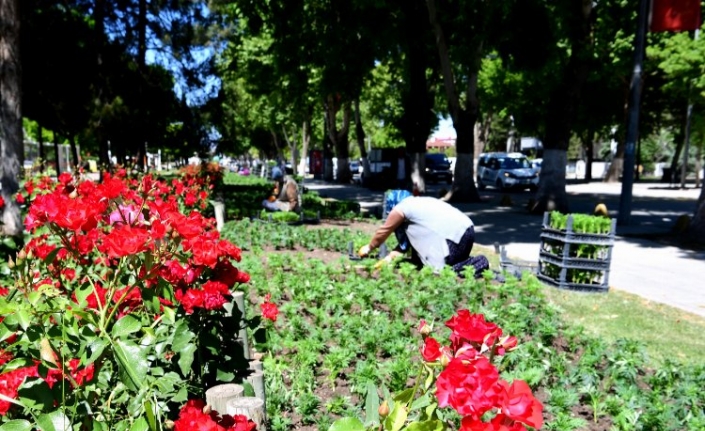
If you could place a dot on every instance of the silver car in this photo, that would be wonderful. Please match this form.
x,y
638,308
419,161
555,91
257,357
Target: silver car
x,y
506,171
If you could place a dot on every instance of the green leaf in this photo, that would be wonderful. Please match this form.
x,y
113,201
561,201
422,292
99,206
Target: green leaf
x,y
16,425
432,425
133,363
430,409
168,315
140,425
34,297
405,396
186,358
372,405
125,326
23,318
35,394
54,421
421,402
52,255
96,348
347,424
9,242
182,336
180,396
248,390
151,418
396,419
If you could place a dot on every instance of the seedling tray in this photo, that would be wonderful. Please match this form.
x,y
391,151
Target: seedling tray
x,y
575,262
574,286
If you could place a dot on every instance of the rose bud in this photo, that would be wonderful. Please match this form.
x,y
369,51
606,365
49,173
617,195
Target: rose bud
x,y
383,410
424,328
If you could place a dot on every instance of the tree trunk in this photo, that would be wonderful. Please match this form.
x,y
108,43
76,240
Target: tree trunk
x,y
562,108
339,138
74,154
360,137
463,189
57,155
589,144
698,166
11,145
291,144
481,132
42,156
696,230
327,151
305,140
417,118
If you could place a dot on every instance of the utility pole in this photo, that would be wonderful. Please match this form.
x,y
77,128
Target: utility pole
x,y
625,200
689,113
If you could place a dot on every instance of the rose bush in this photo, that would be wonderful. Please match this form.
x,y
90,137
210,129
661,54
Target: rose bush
x,y
117,315
462,376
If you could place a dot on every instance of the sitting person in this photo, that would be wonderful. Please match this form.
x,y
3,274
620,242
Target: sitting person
x,y
285,196
437,233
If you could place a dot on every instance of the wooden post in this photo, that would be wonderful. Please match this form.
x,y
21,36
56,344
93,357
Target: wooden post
x,y
250,407
219,208
238,304
218,396
256,379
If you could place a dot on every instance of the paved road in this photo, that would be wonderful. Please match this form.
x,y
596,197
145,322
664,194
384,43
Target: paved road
x,y
657,272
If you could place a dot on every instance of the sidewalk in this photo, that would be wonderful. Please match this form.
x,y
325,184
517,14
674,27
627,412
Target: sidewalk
x,y
656,272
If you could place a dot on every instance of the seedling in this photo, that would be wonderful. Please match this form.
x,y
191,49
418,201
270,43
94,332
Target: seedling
x,y
352,254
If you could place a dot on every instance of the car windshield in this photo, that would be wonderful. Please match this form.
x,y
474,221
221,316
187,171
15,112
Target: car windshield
x,y
437,158
515,163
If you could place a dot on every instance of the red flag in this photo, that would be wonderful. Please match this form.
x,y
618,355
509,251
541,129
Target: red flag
x,y
675,15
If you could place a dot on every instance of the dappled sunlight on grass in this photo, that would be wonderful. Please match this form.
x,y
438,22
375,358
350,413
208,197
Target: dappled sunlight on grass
x,y
665,331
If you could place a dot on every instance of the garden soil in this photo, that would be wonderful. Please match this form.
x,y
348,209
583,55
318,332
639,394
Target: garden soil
x,y
326,391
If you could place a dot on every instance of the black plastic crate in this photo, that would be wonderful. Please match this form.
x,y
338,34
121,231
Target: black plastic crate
x,y
561,260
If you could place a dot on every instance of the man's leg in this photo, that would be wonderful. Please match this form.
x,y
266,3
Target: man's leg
x,y
479,263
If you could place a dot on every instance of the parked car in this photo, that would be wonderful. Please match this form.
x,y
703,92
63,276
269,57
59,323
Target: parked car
x,y
356,171
506,171
438,168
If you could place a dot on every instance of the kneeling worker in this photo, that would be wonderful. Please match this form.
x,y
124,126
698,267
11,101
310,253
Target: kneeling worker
x,y
285,196
437,233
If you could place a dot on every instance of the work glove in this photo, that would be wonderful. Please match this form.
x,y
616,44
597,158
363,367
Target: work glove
x,y
364,250
382,262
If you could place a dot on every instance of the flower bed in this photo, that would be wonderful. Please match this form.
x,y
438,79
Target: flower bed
x,y
117,314
347,335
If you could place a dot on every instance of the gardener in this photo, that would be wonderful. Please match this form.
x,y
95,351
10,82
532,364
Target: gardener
x,y
437,234
285,196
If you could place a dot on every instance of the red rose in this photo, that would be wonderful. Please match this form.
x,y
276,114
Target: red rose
x,y
468,327
431,350
205,252
190,300
269,310
519,403
498,423
469,386
125,240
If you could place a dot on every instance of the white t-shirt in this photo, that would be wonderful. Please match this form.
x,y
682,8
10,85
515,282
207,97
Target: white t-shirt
x,y
429,223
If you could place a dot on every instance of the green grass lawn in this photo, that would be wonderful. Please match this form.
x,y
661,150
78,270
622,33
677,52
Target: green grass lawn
x,y
666,332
